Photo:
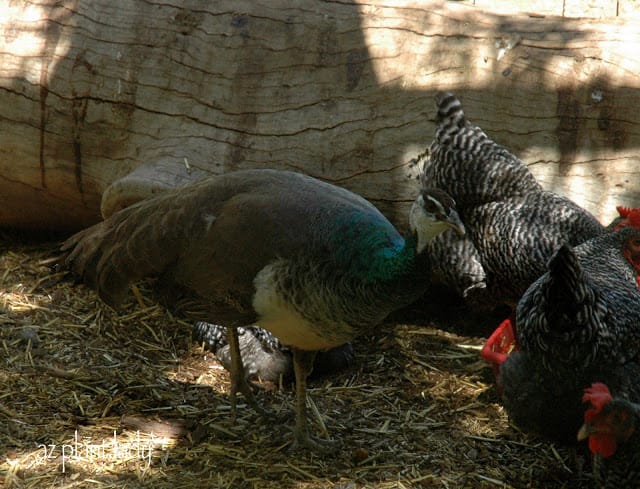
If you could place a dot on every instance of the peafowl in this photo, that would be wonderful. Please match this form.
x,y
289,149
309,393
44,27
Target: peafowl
x,y
311,262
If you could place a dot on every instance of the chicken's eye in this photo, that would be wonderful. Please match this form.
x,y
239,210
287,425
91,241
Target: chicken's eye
x,y
619,418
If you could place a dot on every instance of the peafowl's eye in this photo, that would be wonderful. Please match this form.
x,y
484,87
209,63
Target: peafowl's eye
x,y
429,205
436,202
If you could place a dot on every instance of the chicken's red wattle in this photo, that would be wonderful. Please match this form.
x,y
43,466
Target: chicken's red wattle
x,y
499,345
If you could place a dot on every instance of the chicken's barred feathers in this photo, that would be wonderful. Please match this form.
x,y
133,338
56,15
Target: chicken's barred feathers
x,y
469,165
450,116
454,130
585,307
513,224
548,402
264,357
576,324
215,336
566,285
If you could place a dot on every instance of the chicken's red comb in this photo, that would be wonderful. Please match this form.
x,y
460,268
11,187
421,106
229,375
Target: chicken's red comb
x,y
623,211
630,216
598,395
634,217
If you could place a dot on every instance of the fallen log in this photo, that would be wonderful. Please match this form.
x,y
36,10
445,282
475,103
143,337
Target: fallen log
x,y
91,91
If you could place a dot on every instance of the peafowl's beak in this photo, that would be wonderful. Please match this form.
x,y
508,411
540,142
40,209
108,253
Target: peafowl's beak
x,y
453,219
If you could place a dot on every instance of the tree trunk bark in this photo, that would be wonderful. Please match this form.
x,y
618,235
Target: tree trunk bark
x,y
91,90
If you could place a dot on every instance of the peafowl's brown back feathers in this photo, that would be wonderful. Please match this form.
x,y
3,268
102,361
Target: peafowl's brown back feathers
x,y
130,245
272,245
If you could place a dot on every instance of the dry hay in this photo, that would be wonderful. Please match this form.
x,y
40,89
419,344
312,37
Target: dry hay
x,y
417,411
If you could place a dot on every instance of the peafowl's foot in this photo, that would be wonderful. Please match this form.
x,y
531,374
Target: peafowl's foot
x,y
302,365
304,441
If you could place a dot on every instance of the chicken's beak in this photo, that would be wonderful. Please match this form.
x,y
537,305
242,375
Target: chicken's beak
x,y
585,431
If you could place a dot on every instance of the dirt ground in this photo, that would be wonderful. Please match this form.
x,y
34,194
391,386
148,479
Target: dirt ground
x,y
94,398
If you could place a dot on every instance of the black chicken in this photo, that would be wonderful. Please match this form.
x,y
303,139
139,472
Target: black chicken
x,y
579,323
611,425
264,357
513,224
503,340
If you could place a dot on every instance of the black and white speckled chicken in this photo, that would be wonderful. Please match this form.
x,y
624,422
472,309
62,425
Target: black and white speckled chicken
x,y
513,224
577,324
611,425
264,357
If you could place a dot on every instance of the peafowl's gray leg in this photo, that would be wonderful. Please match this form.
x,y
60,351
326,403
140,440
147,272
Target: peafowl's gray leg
x,y
239,381
302,366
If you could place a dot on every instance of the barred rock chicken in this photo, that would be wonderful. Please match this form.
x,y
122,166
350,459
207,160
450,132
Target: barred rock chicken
x,y
579,323
264,357
611,426
513,225
503,340
311,262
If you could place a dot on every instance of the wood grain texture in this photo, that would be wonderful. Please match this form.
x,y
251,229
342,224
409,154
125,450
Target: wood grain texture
x,y
344,91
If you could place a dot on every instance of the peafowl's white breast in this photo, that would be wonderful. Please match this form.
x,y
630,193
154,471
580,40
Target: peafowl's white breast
x,y
278,313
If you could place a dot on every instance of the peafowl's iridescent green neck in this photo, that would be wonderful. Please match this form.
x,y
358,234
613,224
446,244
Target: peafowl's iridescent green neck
x,y
373,250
